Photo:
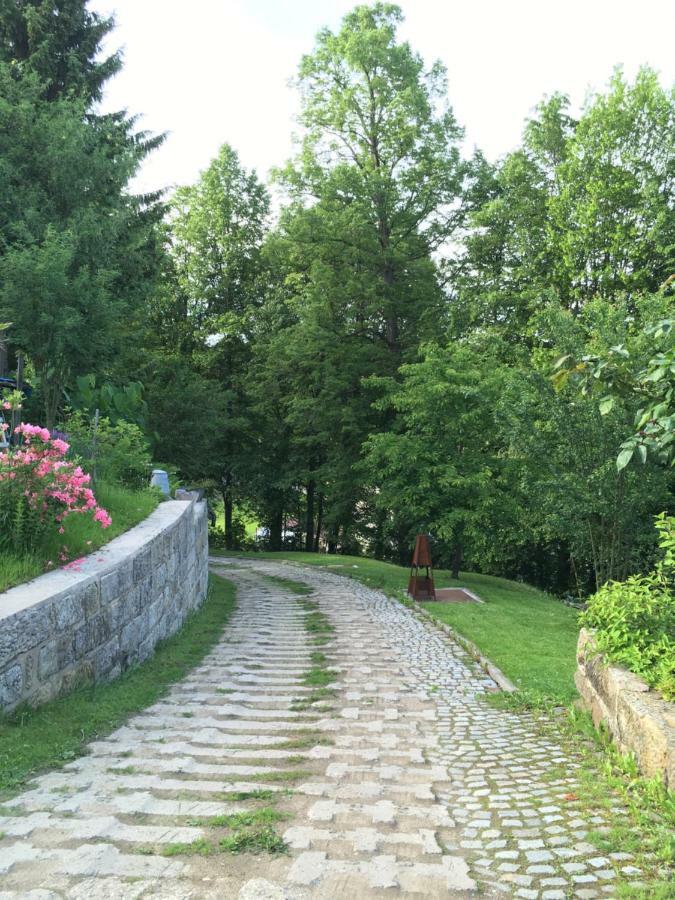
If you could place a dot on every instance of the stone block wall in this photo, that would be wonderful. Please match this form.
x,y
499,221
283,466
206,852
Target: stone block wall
x,y
71,626
639,719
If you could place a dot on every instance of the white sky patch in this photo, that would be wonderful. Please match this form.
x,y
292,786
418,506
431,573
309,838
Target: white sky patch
x,y
215,71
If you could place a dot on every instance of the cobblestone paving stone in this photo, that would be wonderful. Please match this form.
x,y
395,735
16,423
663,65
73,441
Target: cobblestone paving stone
x,y
416,788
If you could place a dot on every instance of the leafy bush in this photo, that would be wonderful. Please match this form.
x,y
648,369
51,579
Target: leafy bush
x,y
117,453
239,540
39,489
634,620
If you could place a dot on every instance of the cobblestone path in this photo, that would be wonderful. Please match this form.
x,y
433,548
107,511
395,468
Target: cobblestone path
x,y
405,783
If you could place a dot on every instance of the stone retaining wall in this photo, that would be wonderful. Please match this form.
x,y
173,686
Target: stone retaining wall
x,y
639,720
93,622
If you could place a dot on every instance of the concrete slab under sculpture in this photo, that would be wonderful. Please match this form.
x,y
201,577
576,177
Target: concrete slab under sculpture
x,y
456,595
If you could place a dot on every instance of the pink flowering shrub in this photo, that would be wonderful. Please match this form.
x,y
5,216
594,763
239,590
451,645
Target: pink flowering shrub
x,y
40,488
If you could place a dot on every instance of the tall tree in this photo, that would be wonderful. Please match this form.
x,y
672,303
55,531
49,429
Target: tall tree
x,y
59,41
375,189
214,292
78,253
583,209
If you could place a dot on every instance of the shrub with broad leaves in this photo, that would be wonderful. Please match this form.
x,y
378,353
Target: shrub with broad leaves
x,y
634,620
39,489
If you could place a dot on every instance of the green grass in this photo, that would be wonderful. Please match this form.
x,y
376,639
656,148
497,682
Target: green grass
x,y
82,535
646,828
319,677
305,740
288,584
252,832
256,840
245,840
256,794
32,740
528,634
283,775
266,815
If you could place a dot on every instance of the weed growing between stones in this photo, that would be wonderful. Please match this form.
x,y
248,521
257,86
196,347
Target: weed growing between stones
x,y
608,778
251,832
200,847
283,775
320,674
318,677
12,811
315,696
266,815
260,840
288,584
524,700
649,805
303,740
257,794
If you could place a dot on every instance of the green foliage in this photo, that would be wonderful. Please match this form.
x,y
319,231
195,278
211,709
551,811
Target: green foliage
x,y
60,42
204,314
77,251
643,368
378,363
112,401
441,468
581,210
634,620
373,192
116,453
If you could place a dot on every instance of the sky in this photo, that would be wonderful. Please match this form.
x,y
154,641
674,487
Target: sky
x,y
208,72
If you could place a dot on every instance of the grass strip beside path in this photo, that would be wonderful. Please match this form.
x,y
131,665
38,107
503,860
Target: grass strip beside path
x,y
32,740
531,636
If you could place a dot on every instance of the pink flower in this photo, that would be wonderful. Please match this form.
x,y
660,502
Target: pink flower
x,y
54,487
60,445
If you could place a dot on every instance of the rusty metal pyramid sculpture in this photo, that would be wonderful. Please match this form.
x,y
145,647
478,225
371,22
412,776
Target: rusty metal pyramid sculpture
x,y
421,585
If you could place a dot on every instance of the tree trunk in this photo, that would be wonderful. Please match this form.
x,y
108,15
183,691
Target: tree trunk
x,y
457,557
319,524
276,527
227,506
309,527
378,543
391,318
403,548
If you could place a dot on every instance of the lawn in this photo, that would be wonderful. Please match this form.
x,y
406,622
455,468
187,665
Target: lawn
x,y
531,636
32,740
82,535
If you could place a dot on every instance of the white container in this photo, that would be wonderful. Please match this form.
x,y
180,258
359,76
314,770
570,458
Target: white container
x,y
160,479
